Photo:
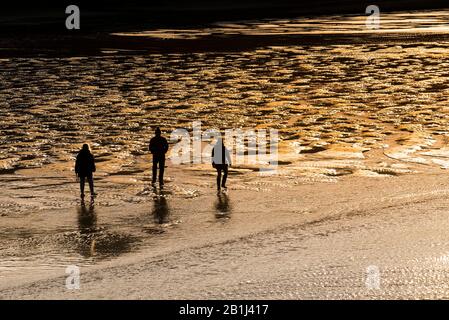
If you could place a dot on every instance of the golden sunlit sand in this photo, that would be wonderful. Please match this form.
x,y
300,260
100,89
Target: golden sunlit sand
x,y
362,180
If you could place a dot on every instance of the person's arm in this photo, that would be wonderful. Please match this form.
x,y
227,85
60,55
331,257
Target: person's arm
x,y
228,157
213,156
150,146
165,145
94,168
77,165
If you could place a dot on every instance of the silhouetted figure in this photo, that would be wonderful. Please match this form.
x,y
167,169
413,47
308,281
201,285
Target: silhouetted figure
x,y
221,160
158,147
84,169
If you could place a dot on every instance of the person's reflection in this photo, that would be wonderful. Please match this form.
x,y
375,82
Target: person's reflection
x,y
99,241
160,209
87,223
222,206
87,219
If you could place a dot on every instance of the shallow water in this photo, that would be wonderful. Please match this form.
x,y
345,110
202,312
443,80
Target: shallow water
x,y
333,101
336,101
367,109
402,22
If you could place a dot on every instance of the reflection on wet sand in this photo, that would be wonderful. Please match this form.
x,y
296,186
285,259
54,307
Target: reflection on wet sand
x,y
96,241
161,210
222,206
87,218
87,222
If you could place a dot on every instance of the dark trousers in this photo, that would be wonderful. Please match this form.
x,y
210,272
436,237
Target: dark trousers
x,y
158,160
221,168
90,179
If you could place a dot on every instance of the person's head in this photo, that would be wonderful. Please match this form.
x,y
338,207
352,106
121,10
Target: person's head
x,y
86,148
157,131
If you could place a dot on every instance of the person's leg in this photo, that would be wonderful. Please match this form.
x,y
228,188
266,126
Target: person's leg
x,y
90,179
82,182
161,170
154,169
225,175
218,178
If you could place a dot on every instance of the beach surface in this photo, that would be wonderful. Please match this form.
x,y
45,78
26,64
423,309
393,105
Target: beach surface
x,y
356,207
316,241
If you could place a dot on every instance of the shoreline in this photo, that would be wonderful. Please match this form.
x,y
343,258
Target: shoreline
x,y
52,41
113,45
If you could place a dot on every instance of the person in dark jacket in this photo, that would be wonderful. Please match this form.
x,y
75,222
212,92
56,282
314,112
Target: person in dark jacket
x,y
84,168
158,148
221,160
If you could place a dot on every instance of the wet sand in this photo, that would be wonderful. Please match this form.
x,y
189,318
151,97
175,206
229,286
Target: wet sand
x,y
317,244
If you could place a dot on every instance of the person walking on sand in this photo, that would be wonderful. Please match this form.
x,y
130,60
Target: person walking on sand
x,y
221,160
158,148
84,168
